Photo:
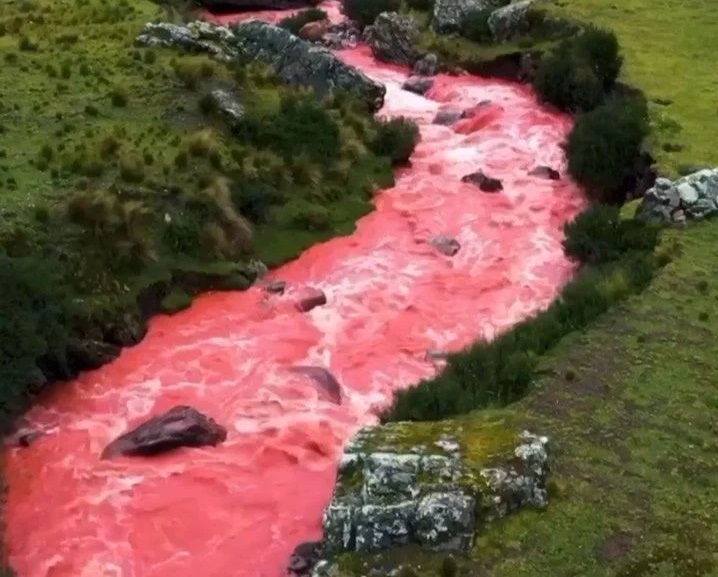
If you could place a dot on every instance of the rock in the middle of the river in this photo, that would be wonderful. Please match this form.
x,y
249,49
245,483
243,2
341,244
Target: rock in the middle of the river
x,y
392,38
181,426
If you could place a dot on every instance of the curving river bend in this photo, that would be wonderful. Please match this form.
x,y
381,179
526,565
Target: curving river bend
x,y
239,509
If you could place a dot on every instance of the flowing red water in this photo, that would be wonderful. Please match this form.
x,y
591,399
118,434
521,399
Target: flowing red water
x,y
238,509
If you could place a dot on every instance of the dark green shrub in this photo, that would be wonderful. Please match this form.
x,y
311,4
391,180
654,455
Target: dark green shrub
x,y
599,48
294,23
118,97
307,216
364,12
566,82
302,126
599,235
34,318
475,26
449,567
604,146
396,139
255,200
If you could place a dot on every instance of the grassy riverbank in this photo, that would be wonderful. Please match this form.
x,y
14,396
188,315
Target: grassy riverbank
x,y
629,401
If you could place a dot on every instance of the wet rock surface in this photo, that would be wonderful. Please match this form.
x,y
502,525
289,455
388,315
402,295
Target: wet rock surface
x,y
418,84
692,197
309,299
296,61
323,378
392,38
389,494
426,66
543,171
181,426
446,245
483,182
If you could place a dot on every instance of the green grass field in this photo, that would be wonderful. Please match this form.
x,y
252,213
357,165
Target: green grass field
x,y
629,403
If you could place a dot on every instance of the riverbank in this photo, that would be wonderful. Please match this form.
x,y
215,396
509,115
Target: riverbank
x,y
628,401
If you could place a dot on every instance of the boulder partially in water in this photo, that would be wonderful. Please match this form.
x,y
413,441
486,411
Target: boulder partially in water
x,y
418,84
484,182
446,245
296,61
392,38
181,426
544,171
322,377
409,483
310,298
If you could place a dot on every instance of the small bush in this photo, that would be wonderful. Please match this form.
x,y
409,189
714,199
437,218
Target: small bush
x,y
396,139
475,26
599,235
118,97
568,83
364,12
177,300
307,216
599,48
604,146
131,169
295,23
27,45
449,567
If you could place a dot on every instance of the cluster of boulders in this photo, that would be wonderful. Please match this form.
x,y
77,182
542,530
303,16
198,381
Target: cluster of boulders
x,y
295,61
427,495
505,19
692,197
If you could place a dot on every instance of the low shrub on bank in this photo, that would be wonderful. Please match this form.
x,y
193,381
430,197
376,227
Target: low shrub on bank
x,y
580,73
34,317
396,139
364,12
605,145
475,26
424,5
295,23
622,263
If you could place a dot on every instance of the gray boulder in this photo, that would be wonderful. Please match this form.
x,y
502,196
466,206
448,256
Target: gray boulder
x,y
295,61
448,15
181,426
418,84
692,197
448,116
392,38
390,493
227,105
426,66
446,245
510,21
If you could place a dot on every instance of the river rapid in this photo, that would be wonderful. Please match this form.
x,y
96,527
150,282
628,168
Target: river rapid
x,y
238,510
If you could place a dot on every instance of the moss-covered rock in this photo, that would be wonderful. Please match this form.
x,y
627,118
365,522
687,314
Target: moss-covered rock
x,y
431,484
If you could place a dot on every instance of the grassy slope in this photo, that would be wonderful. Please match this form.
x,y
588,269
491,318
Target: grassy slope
x,y
71,83
630,402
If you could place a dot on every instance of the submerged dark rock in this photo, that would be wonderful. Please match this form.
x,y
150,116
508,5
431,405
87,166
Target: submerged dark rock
x,y
181,426
545,172
311,299
426,66
90,354
484,182
446,245
323,378
447,116
276,287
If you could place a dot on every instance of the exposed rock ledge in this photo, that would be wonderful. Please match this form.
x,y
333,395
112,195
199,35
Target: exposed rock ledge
x,y
416,483
296,61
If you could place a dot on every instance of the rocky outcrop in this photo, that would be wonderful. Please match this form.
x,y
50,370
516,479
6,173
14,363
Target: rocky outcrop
x,y
322,377
392,38
342,35
314,31
692,197
418,84
181,426
510,21
446,245
448,15
295,61
389,494
484,182
227,105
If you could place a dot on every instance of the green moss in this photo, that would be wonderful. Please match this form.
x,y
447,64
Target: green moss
x,y
176,301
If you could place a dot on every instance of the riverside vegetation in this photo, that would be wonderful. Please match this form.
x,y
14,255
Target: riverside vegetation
x,y
120,182
624,392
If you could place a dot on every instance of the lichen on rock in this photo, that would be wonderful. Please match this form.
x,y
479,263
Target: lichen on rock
x,y
694,197
431,492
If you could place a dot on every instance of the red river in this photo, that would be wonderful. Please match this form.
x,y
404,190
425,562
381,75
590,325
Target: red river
x,y
239,509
